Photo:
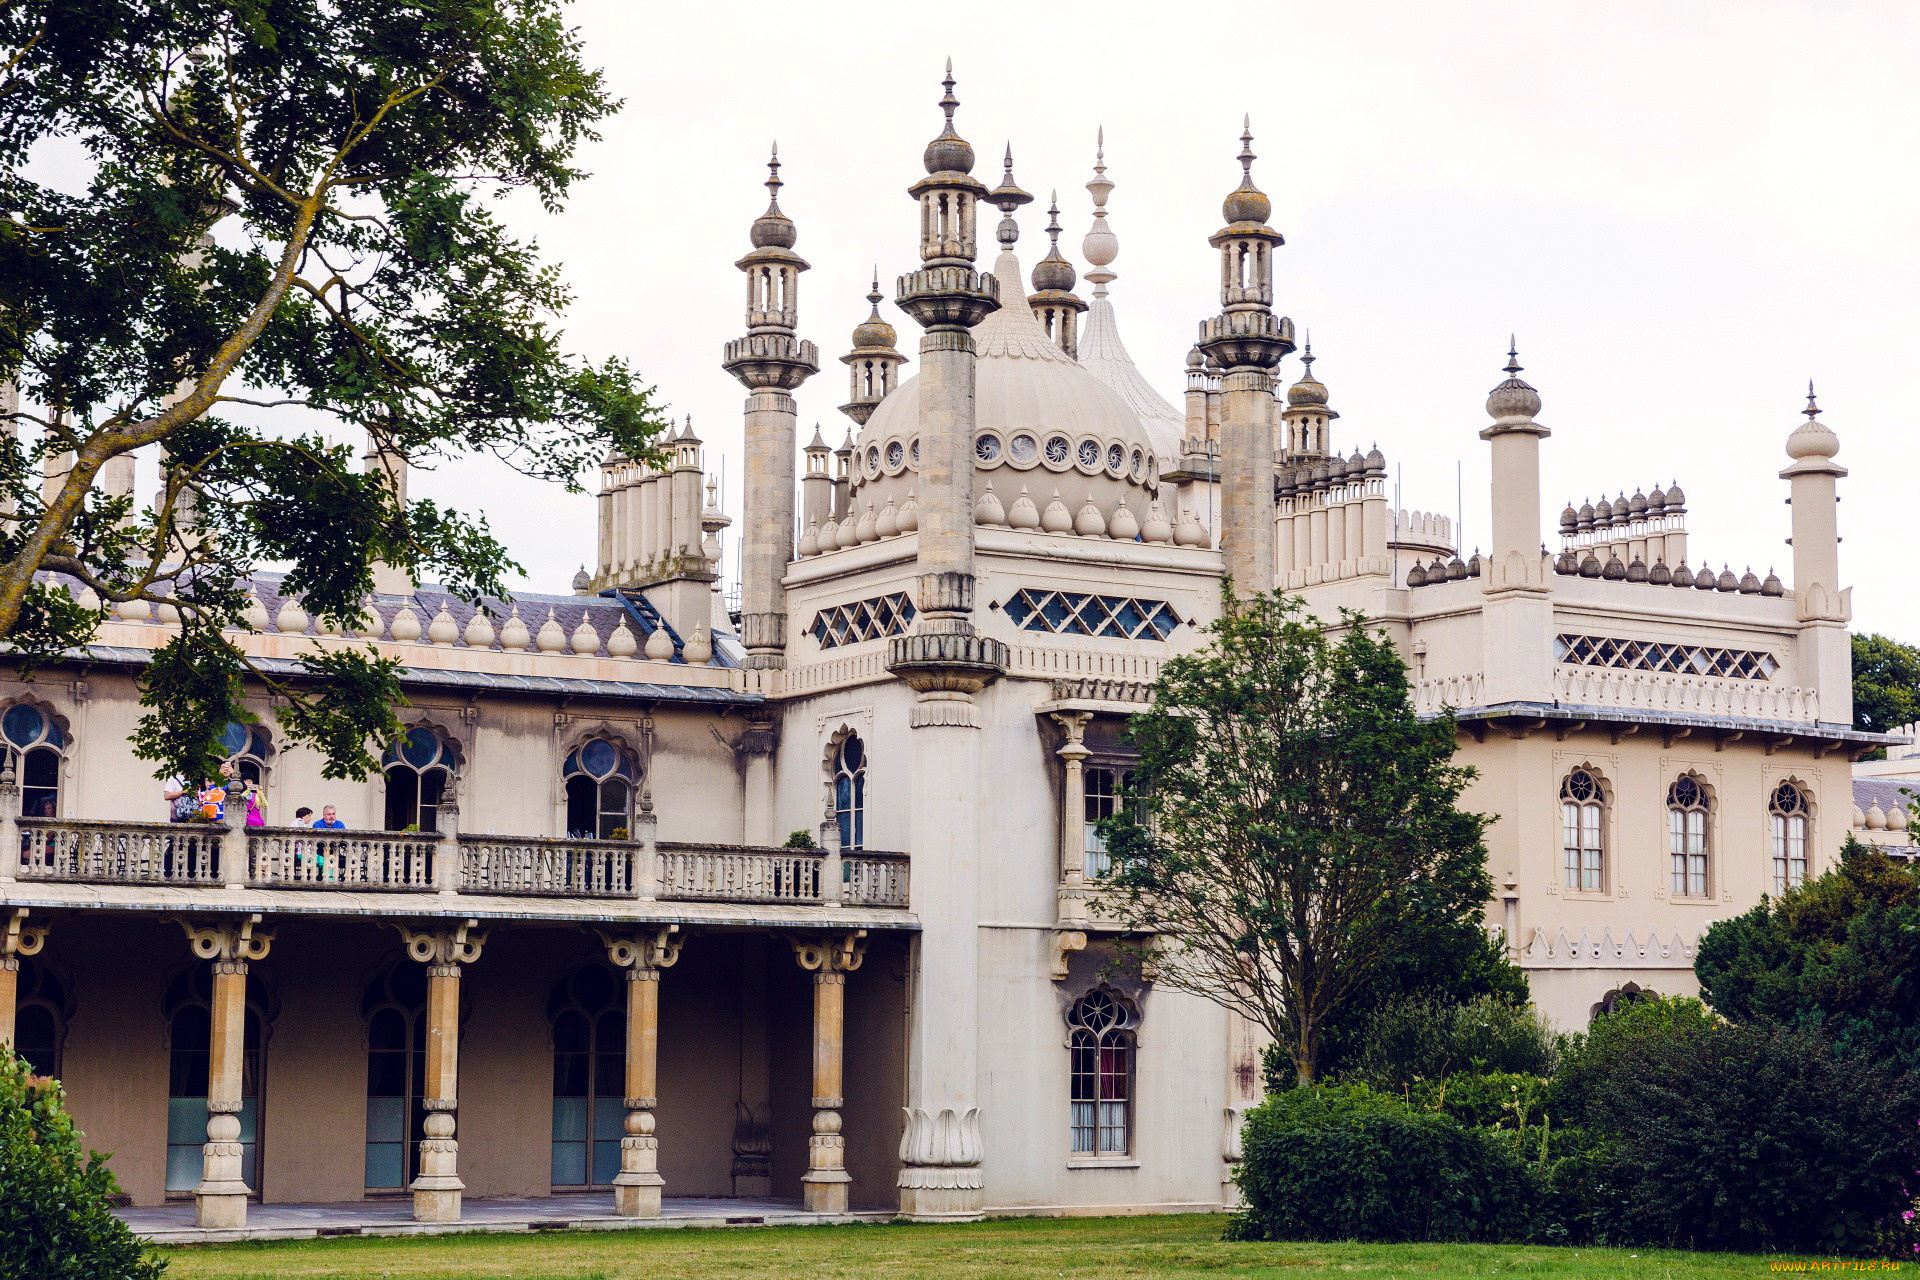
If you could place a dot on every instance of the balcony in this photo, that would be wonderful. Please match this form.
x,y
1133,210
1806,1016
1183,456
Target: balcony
x,y
447,874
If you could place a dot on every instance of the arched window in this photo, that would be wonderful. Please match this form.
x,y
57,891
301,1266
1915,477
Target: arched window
x,y
850,791
589,1016
189,1006
35,746
41,1010
600,782
1582,810
248,746
395,1007
1101,1046
417,769
1688,807
1787,814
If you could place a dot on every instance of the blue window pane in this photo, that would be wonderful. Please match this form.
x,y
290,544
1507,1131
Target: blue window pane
x,y
250,1120
183,1167
569,1164
599,757
606,1162
187,1120
569,1119
609,1120
234,739
23,724
421,748
260,741
386,1120
386,1164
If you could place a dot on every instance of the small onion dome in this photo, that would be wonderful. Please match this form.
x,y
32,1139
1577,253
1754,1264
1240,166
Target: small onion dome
x,y
1749,584
1568,563
1569,519
1416,576
1053,273
1725,582
1309,392
1772,586
1196,360
1676,497
1513,398
1246,202
581,581
949,153
774,229
1437,571
1814,439
1456,568
1637,571
1660,575
1682,576
873,331
1637,504
1474,564
1657,501
1376,460
1603,512
1615,570
1590,566
1586,516
1897,820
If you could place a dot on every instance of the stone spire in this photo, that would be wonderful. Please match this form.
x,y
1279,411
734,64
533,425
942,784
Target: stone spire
x,y
1053,301
1101,246
1007,197
770,361
1248,341
873,366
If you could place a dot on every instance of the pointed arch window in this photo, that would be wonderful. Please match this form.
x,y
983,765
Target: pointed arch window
x,y
1787,816
1689,822
1583,831
36,747
41,1010
600,778
189,1006
850,791
589,1017
1101,1044
249,747
395,1008
417,768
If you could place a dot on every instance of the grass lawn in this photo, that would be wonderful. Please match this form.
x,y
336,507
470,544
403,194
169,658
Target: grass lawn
x,y
1181,1247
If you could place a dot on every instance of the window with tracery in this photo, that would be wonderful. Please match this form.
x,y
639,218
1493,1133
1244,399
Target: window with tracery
x,y
601,777
1101,1044
189,1005
248,746
850,791
589,1016
395,1007
1688,811
1583,828
1787,814
41,1010
36,747
417,768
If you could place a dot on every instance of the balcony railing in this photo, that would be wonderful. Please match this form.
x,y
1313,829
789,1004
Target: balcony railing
x,y
514,866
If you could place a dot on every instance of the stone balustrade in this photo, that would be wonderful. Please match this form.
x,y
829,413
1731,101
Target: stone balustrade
x,y
1655,691
199,854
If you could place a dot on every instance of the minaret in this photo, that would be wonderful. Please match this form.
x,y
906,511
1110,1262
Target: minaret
x,y
816,486
770,361
873,366
1248,340
1053,301
1307,415
1516,612
1823,651
946,663
390,468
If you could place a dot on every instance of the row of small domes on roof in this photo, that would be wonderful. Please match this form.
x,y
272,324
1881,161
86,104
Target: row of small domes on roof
x,y
1624,510
1877,819
1120,523
1333,471
1571,564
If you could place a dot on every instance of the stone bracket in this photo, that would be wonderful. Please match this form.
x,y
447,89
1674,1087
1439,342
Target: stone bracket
x,y
648,949
458,945
228,940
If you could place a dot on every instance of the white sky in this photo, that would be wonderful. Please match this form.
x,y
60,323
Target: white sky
x,y
1683,210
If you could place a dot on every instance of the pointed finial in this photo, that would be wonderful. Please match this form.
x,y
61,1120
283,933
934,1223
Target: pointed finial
x,y
1246,147
1306,352
947,101
1101,246
874,295
1513,357
1053,218
1008,196
773,179
1246,202
1812,410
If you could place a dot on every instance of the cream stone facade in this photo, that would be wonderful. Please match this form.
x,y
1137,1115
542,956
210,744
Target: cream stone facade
x,y
804,903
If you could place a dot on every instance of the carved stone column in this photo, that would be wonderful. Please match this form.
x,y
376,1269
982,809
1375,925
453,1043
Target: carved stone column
x,y
437,1188
1070,915
636,1188
19,939
9,820
221,1198
825,1185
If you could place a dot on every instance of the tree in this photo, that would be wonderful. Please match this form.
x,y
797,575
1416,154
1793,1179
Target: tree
x,y
281,209
1835,954
1886,683
55,1216
1293,810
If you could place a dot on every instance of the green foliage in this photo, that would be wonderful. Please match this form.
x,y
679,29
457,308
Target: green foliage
x,y
280,207
1484,1099
1447,960
801,839
1292,810
1417,1040
1341,1162
1587,1061
1757,1136
1886,683
56,1222
1837,953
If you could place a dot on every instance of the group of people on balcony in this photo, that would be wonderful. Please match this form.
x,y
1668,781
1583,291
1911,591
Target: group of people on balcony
x,y
207,801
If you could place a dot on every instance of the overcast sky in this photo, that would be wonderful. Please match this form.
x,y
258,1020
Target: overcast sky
x,y
1683,210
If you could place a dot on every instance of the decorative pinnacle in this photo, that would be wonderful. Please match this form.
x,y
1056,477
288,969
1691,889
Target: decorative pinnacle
x,y
1246,150
1008,196
773,180
1513,357
1053,220
874,295
1306,354
948,102
1812,410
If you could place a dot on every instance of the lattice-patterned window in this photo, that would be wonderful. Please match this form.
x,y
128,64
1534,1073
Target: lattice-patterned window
x,y
1787,815
1101,1044
1672,659
873,619
1073,613
1583,831
1689,814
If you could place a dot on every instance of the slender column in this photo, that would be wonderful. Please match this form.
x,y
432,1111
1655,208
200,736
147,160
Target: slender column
x,y
1070,913
1356,539
636,1188
1517,609
220,1200
19,939
9,819
756,748
825,1185
437,1190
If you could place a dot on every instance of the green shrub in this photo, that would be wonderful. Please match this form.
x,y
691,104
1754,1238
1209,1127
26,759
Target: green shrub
x,y
55,1222
1756,1137
1420,1040
1484,1100
1588,1061
1341,1162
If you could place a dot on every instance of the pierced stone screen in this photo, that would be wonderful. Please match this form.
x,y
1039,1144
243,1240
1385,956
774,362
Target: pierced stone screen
x,y
1675,659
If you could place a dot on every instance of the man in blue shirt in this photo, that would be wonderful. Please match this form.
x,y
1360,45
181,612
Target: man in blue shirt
x,y
329,821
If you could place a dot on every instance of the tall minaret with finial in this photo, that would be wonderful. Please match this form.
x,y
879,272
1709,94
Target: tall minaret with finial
x,y
1516,621
1248,341
1053,301
873,366
770,361
1824,654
